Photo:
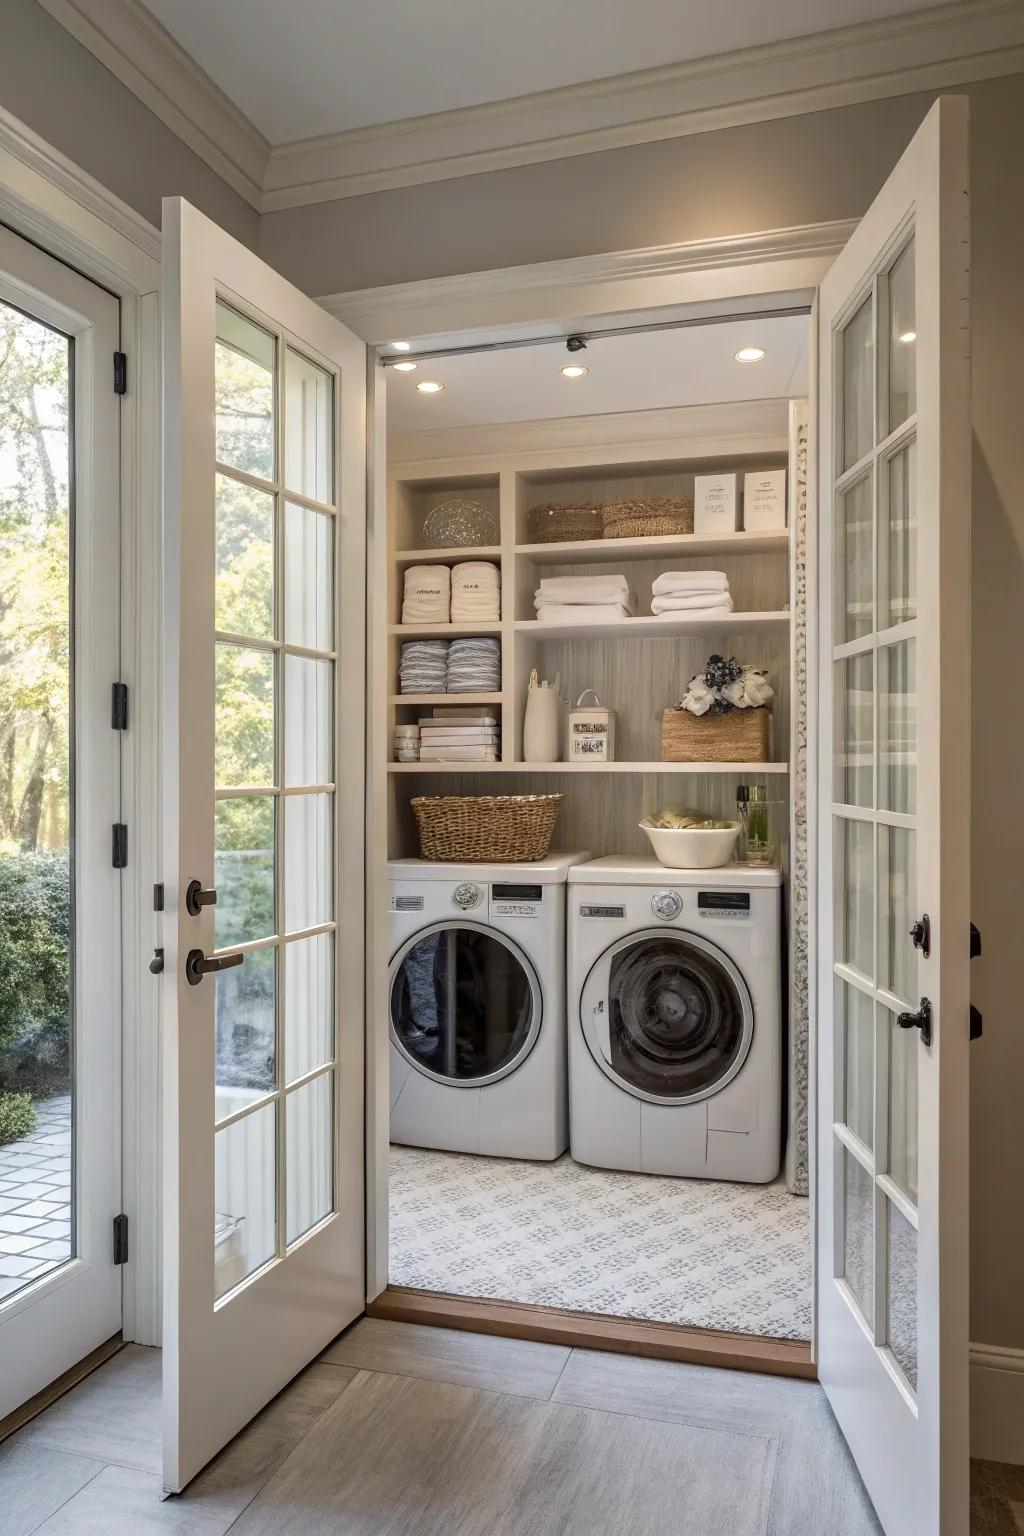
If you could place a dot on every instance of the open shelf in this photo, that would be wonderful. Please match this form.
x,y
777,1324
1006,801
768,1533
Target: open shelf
x,y
447,556
442,631
658,626
679,546
458,699
750,770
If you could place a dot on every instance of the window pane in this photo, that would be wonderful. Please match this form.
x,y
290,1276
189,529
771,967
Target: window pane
x,y
37,836
309,1005
853,563
310,1143
308,721
243,870
308,428
858,385
245,559
858,1231
308,578
901,543
245,1032
897,727
308,878
244,725
245,1197
855,920
897,873
901,1284
902,339
903,1108
855,730
244,393
855,1014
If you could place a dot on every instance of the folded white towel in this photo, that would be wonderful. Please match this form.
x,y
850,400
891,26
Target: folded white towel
x,y
544,601
692,606
689,581
584,613
475,573
427,594
585,589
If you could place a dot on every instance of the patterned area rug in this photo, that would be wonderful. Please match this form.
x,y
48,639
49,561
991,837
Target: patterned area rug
x,y
734,1257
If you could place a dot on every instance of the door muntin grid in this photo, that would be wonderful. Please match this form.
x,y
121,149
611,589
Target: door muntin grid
x,y
874,826
276,833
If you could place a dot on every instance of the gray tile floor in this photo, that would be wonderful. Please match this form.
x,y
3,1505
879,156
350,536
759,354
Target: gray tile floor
x,y
402,1430
35,1198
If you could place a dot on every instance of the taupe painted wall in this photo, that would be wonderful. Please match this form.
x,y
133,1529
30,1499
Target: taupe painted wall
x,y
798,171
57,88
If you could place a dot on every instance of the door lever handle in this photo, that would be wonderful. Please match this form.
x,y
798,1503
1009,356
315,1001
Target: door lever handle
x,y
198,965
196,898
921,1020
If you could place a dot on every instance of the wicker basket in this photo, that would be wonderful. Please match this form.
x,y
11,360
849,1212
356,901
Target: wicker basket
x,y
565,522
738,736
485,829
647,517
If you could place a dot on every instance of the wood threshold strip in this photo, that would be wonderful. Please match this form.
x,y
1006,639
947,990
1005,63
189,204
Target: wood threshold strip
x,y
588,1330
63,1383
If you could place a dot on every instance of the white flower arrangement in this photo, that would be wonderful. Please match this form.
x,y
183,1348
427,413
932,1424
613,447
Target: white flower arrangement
x,y
726,685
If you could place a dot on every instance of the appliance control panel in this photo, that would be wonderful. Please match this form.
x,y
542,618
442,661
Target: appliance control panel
x,y
467,896
407,903
591,909
667,905
723,903
516,900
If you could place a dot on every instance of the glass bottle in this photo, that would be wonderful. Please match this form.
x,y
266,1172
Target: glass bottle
x,y
756,843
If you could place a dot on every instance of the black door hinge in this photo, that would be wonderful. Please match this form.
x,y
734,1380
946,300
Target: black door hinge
x,y
119,706
121,1239
120,845
158,896
120,373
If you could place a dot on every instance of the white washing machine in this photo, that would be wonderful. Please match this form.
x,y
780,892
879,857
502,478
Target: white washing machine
x,y
675,1019
477,1006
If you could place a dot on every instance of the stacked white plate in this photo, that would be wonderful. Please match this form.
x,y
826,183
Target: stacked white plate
x,y
407,743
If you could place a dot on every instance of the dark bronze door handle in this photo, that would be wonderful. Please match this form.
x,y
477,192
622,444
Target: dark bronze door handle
x,y
197,965
196,898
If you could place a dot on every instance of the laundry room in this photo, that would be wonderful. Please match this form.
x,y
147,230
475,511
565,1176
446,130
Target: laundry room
x,y
598,1024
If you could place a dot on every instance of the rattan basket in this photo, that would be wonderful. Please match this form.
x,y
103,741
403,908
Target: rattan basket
x,y
485,829
738,736
565,522
647,517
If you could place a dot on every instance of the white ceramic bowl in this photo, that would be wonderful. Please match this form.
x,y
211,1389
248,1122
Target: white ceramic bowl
x,y
693,847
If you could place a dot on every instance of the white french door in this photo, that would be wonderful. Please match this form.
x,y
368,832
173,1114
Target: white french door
x,y
265,500
893,995
60,913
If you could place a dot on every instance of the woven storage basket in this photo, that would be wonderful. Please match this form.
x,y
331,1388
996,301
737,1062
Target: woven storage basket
x,y
738,736
647,517
485,829
565,522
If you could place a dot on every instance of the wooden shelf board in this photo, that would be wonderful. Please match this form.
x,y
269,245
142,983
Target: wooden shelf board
x,y
443,556
680,545
750,770
443,631
661,626
446,698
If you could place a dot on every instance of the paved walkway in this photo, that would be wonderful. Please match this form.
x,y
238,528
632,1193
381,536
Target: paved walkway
x,y
35,1198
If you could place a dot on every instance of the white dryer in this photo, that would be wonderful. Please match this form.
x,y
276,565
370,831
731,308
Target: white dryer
x,y
675,1021
477,1006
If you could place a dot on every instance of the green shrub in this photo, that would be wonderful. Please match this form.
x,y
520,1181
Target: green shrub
x,y
35,994
17,1117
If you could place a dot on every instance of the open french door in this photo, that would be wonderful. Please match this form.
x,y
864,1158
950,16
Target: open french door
x,y
265,502
893,994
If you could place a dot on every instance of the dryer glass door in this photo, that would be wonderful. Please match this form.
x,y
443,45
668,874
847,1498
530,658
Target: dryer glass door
x,y
465,1004
680,1020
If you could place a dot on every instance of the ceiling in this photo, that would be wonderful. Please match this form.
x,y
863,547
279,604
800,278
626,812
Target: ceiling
x,y
314,67
692,366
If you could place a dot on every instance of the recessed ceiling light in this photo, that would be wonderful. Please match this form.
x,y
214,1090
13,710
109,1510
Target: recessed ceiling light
x,y
401,346
574,371
750,354
407,367
908,336
429,387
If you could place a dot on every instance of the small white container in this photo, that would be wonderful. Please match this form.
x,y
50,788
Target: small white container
x,y
590,731
540,725
764,500
716,504
693,847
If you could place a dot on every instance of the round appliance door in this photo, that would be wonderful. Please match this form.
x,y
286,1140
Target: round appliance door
x,y
667,1016
465,1003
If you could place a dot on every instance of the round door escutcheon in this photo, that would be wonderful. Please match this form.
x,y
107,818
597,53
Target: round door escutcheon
x,y
467,896
666,905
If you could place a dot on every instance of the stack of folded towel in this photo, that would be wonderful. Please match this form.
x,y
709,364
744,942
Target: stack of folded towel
x,y
584,599
423,667
428,592
476,593
692,593
474,666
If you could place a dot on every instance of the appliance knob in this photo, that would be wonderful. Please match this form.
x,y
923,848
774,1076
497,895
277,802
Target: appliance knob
x,y
666,905
467,896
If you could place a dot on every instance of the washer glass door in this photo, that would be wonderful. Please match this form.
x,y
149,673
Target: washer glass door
x,y
680,1020
465,1003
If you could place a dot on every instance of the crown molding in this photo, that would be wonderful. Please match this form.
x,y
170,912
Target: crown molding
x,y
131,43
924,50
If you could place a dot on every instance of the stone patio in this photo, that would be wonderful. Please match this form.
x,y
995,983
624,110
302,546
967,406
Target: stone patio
x,y
35,1198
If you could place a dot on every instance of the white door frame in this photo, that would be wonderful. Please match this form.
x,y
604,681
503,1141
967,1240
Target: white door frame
x,y
50,201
